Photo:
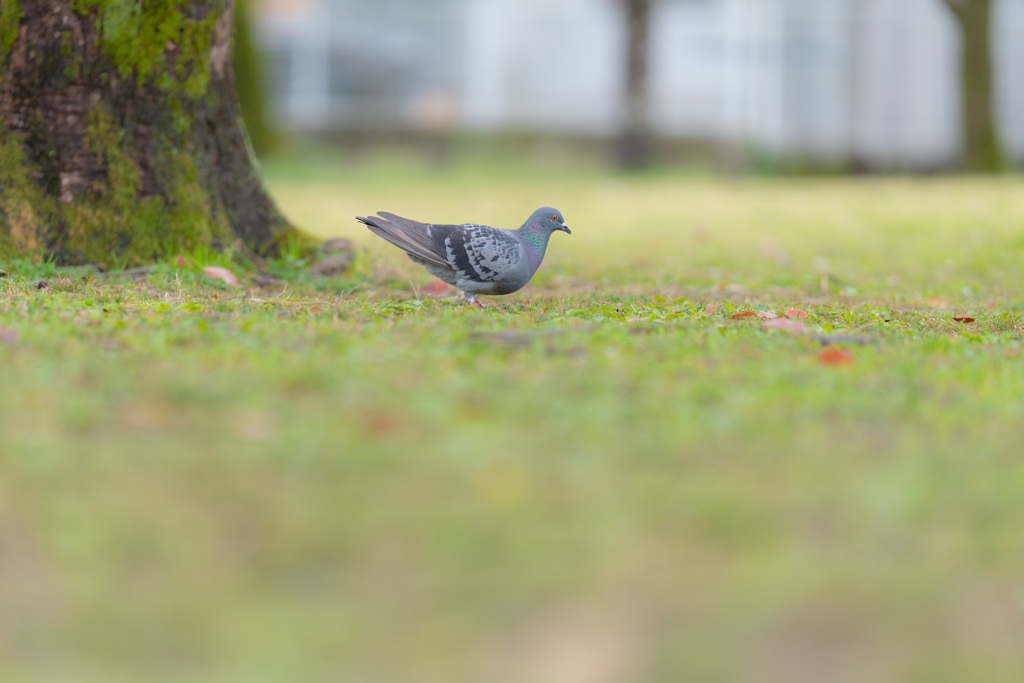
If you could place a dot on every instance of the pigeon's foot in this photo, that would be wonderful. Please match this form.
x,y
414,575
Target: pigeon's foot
x,y
471,300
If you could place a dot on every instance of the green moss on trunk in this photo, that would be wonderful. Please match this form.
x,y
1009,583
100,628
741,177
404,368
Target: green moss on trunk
x,y
137,40
131,152
10,19
26,213
251,93
116,224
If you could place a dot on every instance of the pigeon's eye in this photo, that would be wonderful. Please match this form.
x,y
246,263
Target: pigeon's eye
x,y
554,217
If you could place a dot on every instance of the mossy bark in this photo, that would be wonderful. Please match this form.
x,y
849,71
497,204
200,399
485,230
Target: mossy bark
x,y
981,148
120,134
252,98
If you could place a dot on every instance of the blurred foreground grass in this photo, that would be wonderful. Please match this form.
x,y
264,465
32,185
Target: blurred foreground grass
x,y
608,479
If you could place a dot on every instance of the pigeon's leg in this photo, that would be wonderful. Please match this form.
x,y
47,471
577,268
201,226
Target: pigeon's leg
x,y
471,300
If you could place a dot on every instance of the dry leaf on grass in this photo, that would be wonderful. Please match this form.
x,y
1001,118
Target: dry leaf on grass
x,y
785,325
963,319
834,357
763,315
796,313
218,273
435,287
709,310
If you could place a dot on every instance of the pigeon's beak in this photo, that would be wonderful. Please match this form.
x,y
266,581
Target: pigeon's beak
x,y
565,228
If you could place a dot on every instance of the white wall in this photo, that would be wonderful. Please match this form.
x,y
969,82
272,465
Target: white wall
x,y
825,79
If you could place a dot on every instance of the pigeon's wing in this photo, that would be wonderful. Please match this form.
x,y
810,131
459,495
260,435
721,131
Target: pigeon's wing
x,y
408,235
478,252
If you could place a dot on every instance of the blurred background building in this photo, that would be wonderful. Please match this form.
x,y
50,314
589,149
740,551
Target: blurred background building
x,y
852,82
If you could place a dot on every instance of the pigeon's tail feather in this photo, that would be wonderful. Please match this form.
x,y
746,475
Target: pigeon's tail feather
x,y
409,236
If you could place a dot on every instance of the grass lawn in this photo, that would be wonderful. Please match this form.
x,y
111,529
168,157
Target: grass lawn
x,y
606,479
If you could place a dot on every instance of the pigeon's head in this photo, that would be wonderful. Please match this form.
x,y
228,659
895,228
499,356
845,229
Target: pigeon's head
x,y
549,219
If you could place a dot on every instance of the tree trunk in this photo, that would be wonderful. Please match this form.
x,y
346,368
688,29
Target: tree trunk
x,y
981,150
633,144
120,137
252,100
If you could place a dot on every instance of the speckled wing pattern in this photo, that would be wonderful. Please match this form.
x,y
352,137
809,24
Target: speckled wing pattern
x,y
477,253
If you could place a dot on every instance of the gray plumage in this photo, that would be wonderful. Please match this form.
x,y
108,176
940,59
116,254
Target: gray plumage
x,y
476,259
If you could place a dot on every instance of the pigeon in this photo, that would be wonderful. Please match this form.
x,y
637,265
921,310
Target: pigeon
x,y
475,259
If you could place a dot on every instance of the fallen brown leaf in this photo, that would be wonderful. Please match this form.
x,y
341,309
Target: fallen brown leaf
x,y
963,319
744,314
796,313
833,357
785,325
767,315
435,287
218,273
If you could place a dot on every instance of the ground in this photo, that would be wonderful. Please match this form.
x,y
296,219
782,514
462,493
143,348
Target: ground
x,y
607,478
